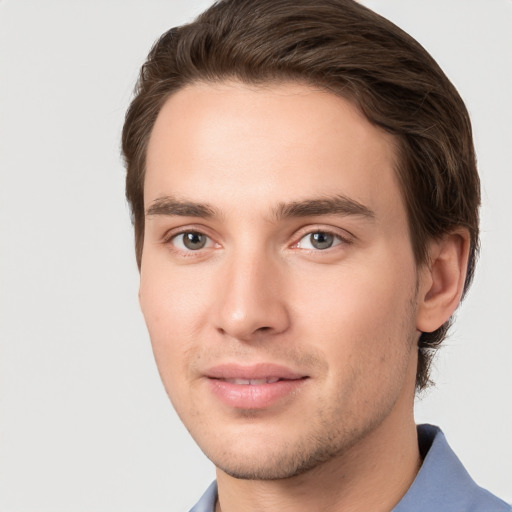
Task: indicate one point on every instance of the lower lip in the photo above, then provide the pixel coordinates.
(258, 396)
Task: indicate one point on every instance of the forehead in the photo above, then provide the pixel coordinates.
(267, 144)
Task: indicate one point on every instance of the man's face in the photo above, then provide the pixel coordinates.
(278, 281)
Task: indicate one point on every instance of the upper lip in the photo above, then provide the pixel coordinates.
(252, 372)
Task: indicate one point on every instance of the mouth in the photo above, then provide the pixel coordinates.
(261, 373)
(254, 387)
(253, 382)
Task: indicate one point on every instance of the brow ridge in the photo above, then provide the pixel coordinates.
(338, 205)
(167, 205)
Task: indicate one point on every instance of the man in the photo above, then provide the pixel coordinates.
(305, 201)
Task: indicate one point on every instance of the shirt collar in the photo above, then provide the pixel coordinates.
(442, 484)
(208, 500)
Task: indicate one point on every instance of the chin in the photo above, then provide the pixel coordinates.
(273, 461)
(265, 469)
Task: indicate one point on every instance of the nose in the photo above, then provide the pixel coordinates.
(251, 303)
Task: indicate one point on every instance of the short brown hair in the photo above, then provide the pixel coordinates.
(343, 47)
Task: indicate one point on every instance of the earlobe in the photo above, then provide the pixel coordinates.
(442, 280)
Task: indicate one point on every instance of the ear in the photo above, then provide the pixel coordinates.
(442, 280)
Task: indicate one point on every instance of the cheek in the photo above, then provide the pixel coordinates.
(170, 298)
(363, 328)
(173, 307)
(354, 295)
(359, 313)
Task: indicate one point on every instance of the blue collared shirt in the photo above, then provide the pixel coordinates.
(441, 485)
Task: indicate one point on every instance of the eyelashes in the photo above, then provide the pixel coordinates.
(191, 241)
(311, 240)
(320, 241)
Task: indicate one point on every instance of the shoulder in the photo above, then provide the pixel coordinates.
(443, 484)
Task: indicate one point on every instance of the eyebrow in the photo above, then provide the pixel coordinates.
(170, 206)
(336, 205)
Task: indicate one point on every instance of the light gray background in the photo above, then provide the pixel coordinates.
(84, 422)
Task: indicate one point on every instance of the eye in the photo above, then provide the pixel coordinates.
(319, 240)
(190, 241)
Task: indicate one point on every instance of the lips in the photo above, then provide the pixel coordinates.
(254, 387)
(252, 382)
(260, 371)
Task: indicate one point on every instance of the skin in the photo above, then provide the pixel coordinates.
(224, 164)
